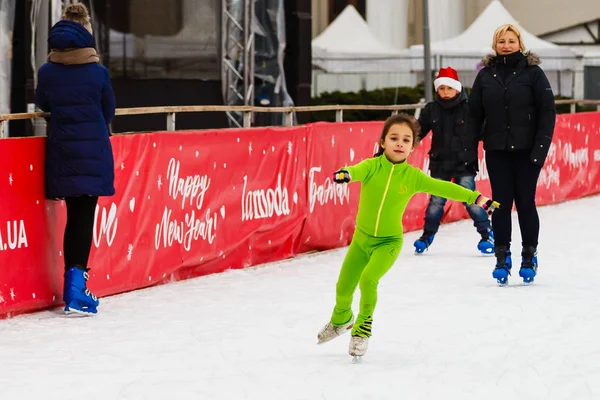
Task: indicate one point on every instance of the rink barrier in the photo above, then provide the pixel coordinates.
(248, 111)
(191, 203)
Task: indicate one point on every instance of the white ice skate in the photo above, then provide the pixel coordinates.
(358, 347)
(330, 332)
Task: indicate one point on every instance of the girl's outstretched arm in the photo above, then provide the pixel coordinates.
(452, 191)
(355, 173)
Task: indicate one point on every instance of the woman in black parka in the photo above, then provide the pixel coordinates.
(512, 108)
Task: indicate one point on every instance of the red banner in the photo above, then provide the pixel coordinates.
(194, 203)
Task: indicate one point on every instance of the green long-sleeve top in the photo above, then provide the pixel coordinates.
(386, 189)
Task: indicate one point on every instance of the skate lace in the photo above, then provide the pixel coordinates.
(87, 292)
(358, 341)
(329, 330)
(92, 295)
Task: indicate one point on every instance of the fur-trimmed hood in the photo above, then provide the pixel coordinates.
(532, 59)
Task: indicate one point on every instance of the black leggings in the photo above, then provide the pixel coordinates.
(79, 230)
(513, 178)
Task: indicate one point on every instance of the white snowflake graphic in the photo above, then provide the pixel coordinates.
(159, 182)
(122, 166)
(290, 148)
(250, 148)
(12, 294)
(1, 299)
(10, 179)
(129, 252)
(332, 141)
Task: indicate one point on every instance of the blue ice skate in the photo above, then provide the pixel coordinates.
(529, 264)
(423, 243)
(77, 297)
(503, 265)
(486, 244)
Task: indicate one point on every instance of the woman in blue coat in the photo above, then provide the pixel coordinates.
(79, 165)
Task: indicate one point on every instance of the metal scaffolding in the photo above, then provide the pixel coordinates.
(237, 56)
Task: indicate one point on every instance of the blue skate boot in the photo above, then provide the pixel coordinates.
(77, 297)
(529, 264)
(423, 243)
(486, 244)
(503, 265)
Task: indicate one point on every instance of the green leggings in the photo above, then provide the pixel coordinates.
(367, 261)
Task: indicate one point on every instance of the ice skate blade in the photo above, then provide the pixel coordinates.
(78, 313)
(356, 359)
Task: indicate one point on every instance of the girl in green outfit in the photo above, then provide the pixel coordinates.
(388, 183)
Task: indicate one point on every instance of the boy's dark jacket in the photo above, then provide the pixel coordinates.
(453, 149)
(513, 102)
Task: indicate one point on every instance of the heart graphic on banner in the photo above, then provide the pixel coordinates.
(351, 154)
(222, 211)
(132, 204)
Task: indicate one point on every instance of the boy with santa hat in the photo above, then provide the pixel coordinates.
(453, 157)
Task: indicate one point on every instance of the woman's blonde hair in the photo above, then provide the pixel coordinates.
(508, 28)
(77, 13)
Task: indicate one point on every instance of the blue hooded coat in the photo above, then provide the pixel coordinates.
(79, 96)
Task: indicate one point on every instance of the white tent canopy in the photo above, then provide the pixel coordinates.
(476, 41)
(348, 45)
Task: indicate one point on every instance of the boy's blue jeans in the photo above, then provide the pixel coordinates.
(435, 209)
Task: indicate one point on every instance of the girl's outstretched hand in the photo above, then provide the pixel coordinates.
(487, 204)
(341, 176)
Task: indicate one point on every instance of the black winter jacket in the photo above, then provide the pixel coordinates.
(512, 105)
(453, 149)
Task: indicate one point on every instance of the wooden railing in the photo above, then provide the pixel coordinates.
(247, 111)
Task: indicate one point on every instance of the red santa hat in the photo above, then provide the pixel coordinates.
(449, 77)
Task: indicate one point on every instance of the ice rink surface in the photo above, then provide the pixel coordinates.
(442, 329)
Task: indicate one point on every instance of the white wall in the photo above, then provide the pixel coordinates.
(446, 18)
(387, 19)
